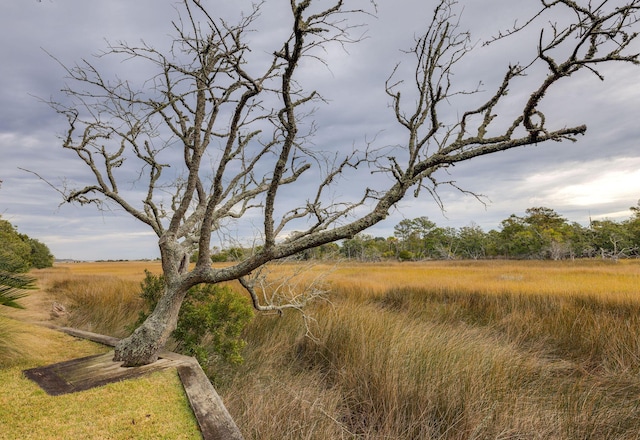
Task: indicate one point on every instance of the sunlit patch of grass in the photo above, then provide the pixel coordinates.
(39, 346)
(151, 407)
(122, 269)
(11, 349)
(614, 280)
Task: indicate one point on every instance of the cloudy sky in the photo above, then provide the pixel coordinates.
(597, 177)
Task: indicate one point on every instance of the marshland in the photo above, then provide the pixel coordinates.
(430, 350)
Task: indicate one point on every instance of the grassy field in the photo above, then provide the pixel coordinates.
(152, 407)
(436, 350)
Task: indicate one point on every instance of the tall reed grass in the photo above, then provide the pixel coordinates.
(453, 351)
(102, 304)
(462, 350)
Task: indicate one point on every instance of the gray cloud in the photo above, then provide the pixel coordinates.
(597, 176)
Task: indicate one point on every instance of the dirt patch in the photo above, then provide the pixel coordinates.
(37, 308)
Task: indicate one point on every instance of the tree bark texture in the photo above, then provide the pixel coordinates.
(144, 344)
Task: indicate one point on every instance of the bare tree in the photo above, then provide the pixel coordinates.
(242, 126)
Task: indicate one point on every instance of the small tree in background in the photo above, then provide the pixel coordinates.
(15, 252)
(19, 253)
(41, 257)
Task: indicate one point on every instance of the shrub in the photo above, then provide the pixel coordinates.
(14, 251)
(405, 256)
(19, 253)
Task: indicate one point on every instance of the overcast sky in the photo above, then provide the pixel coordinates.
(597, 177)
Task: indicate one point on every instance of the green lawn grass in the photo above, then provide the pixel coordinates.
(152, 407)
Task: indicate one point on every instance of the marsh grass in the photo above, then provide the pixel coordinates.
(98, 303)
(455, 350)
(595, 333)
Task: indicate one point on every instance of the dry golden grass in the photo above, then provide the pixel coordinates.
(615, 281)
(437, 350)
(98, 303)
(122, 269)
(101, 297)
(593, 277)
(456, 350)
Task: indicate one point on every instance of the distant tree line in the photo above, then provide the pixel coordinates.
(541, 234)
(19, 253)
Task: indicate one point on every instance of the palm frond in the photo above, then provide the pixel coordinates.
(13, 287)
